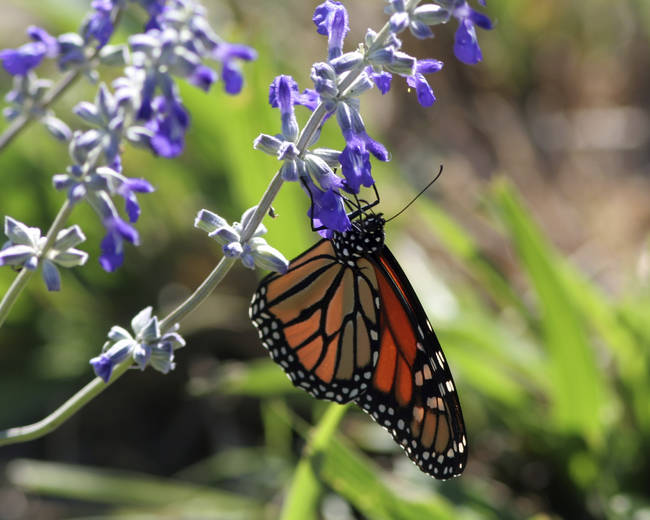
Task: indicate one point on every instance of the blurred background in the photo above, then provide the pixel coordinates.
(531, 256)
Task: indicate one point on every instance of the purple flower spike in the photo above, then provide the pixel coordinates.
(331, 19)
(112, 245)
(466, 46)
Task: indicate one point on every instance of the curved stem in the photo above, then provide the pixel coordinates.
(200, 294)
(64, 412)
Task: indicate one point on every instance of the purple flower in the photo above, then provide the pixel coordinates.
(419, 83)
(282, 94)
(327, 209)
(331, 19)
(381, 79)
(155, 8)
(112, 246)
(40, 35)
(169, 125)
(309, 98)
(355, 160)
(20, 61)
(228, 54)
(104, 364)
(203, 77)
(466, 46)
(128, 190)
(99, 25)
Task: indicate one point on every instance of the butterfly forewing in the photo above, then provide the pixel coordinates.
(320, 322)
(412, 392)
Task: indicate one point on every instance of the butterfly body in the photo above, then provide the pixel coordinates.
(345, 325)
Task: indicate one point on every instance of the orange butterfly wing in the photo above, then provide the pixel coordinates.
(412, 393)
(320, 322)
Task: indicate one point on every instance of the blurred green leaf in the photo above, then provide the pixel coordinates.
(579, 392)
(258, 378)
(303, 497)
(465, 248)
(126, 488)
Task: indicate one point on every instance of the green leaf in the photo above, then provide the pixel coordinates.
(462, 245)
(126, 488)
(302, 502)
(258, 378)
(579, 392)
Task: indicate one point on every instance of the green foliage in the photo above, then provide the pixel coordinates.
(553, 372)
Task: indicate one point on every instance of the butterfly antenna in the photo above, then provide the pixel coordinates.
(417, 196)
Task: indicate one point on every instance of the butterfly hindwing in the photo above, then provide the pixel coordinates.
(319, 321)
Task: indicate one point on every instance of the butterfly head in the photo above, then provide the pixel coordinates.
(365, 237)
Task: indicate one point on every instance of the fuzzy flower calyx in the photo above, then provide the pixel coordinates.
(146, 346)
(253, 252)
(25, 249)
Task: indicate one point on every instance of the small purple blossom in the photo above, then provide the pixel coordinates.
(104, 364)
(147, 345)
(331, 19)
(282, 94)
(127, 190)
(99, 25)
(253, 252)
(327, 210)
(203, 77)
(424, 92)
(355, 159)
(20, 61)
(228, 54)
(112, 246)
(155, 8)
(25, 249)
(466, 46)
(168, 125)
(381, 79)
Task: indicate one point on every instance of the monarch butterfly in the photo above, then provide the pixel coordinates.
(346, 325)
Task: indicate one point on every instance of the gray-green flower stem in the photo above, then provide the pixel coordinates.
(64, 412)
(96, 386)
